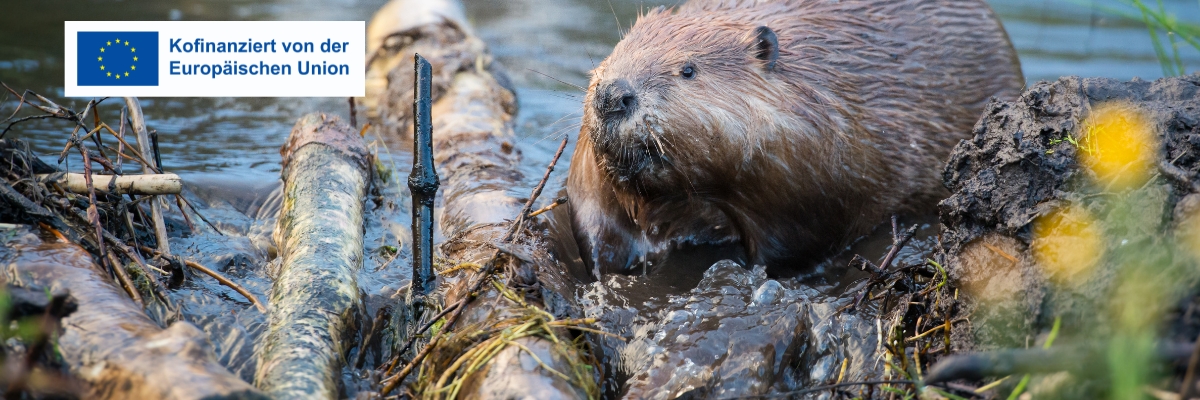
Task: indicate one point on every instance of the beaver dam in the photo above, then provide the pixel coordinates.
(419, 242)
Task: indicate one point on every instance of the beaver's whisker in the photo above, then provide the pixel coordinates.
(661, 149)
(563, 95)
(564, 118)
(558, 133)
(614, 11)
(590, 58)
(581, 88)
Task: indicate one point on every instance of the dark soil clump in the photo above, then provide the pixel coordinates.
(1032, 165)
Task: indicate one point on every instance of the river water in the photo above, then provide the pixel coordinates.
(228, 148)
(547, 45)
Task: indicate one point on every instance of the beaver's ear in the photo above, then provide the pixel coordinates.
(766, 46)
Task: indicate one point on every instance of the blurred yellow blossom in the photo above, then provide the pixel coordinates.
(1119, 145)
(1067, 244)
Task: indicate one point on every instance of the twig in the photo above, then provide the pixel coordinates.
(926, 333)
(560, 201)
(399, 377)
(1001, 253)
(372, 336)
(126, 282)
(120, 134)
(537, 191)
(423, 329)
(898, 241)
(198, 214)
(154, 146)
(215, 275)
(182, 211)
(93, 217)
(129, 253)
(423, 186)
(27, 118)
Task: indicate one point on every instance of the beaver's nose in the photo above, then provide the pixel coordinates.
(616, 99)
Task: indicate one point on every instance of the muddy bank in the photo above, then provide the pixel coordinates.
(1075, 207)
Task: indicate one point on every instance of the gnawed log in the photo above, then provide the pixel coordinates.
(111, 344)
(504, 343)
(153, 184)
(320, 239)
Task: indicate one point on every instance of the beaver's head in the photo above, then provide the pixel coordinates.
(682, 100)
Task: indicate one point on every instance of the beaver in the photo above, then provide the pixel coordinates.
(784, 128)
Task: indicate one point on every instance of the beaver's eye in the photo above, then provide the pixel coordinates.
(688, 72)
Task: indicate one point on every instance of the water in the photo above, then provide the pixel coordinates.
(229, 147)
(535, 39)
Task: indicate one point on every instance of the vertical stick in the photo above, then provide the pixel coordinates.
(138, 123)
(423, 184)
(157, 155)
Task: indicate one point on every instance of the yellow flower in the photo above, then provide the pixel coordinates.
(1119, 145)
(1067, 243)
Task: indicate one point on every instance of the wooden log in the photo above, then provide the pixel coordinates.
(111, 344)
(156, 184)
(478, 163)
(320, 239)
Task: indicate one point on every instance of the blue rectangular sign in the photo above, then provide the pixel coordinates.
(117, 59)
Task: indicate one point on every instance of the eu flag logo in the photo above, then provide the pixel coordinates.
(117, 59)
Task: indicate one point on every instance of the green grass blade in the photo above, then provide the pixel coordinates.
(1167, 67)
(1179, 69)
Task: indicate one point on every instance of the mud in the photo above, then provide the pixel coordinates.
(1025, 162)
(736, 333)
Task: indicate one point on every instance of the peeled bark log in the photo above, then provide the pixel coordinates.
(320, 239)
(112, 345)
(153, 184)
(475, 156)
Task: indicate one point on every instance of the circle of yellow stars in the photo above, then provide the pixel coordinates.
(104, 49)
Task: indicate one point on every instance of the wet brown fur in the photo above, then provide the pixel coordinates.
(852, 124)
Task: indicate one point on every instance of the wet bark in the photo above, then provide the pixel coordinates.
(111, 344)
(320, 239)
